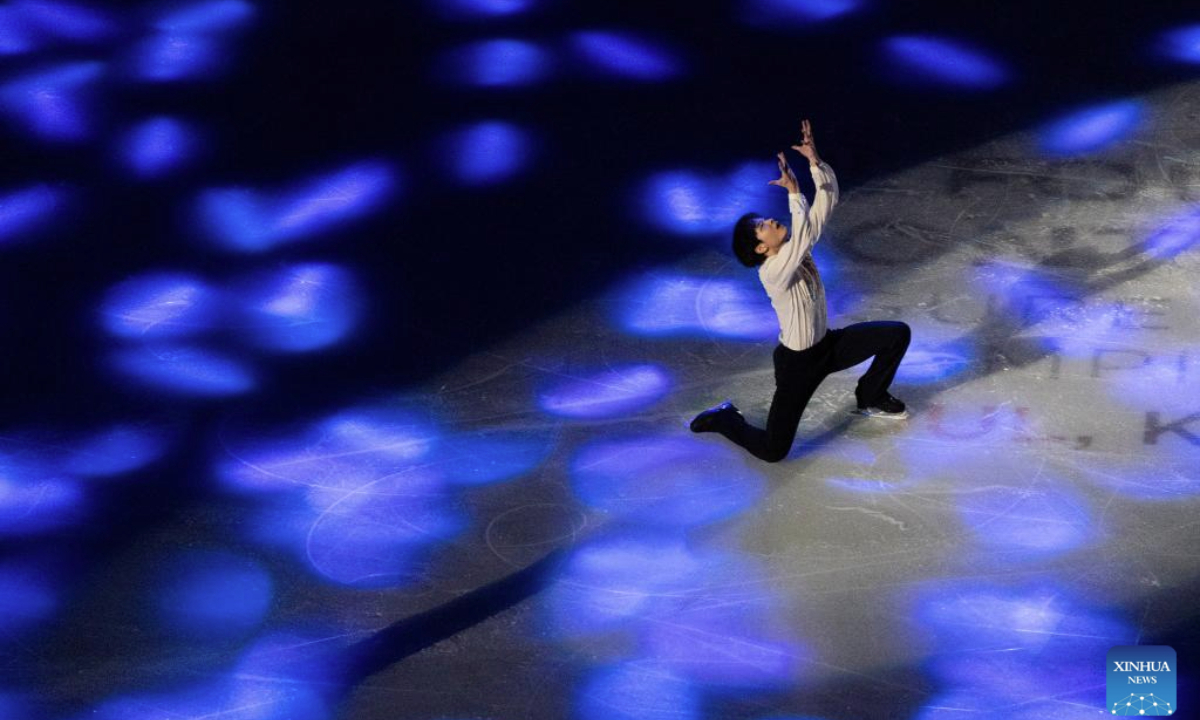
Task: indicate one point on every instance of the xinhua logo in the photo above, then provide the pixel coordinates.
(1141, 680)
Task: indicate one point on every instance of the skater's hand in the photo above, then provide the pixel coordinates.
(807, 147)
(787, 178)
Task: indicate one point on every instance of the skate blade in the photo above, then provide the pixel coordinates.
(880, 414)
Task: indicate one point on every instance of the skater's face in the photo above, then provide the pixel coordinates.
(771, 235)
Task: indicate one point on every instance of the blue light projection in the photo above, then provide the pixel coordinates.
(66, 21)
(610, 393)
(1159, 383)
(665, 481)
(1182, 44)
(27, 597)
(1175, 236)
(677, 305)
(211, 594)
(1002, 639)
(239, 695)
(172, 58)
(14, 706)
(484, 458)
(366, 504)
(703, 617)
(191, 41)
(637, 691)
(35, 497)
(378, 532)
(502, 63)
(1032, 521)
(613, 583)
(1031, 295)
(280, 676)
(24, 212)
(726, 642)
(16, 34)
(939, 61)
(161, 305)
(115, 450)
(205, 16)
(935, 355)
(795, 13)
(480, 9)
(625, 55)
(158, 147)
(690, 202)
(972, 439)
(299, 308)
(1088, 327)
(249, 220)
(185, 370)
(1091, 130)
(488, 152)
(53, 104)
(376, 439)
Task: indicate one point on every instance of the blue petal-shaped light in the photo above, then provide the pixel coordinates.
(1092, 129)
(942, 61)
(27, 597)
(159, 146)
(475, 458)
(488, 153)
(185, 370)
(615, 391)
(212, 595)
(65, 20)
(691, 202)
(255, 220)
(664, 481)
(161, 305)
(1031, 295)
(115, 451)
(614, 582)
(367, 506)
(237, 695)
(15, 706)
(497, 63)
(373, 442)
(34, 499)
(1032, 522)
(300, 308)
(174, 57)
(796, 13)
(673, 305)
(52, 104)
(26, 211)
(1177, 235)
(625, 55)
(637, 691)
(1182, 44)
(480, 9)
(17, 34)
(205, 16)
(377, 531)
(930, 362)
(280, 677)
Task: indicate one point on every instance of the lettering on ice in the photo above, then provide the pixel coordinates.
(1143, 666)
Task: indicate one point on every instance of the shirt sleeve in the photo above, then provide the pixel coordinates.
(807, 224)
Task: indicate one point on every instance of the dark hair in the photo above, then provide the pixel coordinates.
(745, 240)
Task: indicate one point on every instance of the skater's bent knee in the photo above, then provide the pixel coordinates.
(774, 456)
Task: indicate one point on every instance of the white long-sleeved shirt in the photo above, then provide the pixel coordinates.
(790, 276)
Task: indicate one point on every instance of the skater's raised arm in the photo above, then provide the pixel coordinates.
(824, 179)
(781, 271)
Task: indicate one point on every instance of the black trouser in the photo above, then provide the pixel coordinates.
(798, 373)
